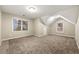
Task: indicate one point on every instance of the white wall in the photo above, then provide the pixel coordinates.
(39, 28)
(0, 27)
(77, 32)
(7, 32)
(69, 29)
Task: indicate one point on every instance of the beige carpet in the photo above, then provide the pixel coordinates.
(50, 44)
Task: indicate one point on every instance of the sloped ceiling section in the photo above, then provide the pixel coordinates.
(49, 20)
(70, 14)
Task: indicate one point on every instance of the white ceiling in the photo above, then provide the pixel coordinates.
(42, 10)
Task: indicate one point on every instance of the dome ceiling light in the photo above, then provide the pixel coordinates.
(31, 8)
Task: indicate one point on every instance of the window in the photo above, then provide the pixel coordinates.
(19, 25)
(60, 27)
(24, 25)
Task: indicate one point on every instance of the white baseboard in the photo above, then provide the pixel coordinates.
(14, 38)
(62, 35)
(39, 35)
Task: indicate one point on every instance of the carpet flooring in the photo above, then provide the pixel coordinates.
(50, 44)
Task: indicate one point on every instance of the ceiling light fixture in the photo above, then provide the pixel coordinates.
(31, 8)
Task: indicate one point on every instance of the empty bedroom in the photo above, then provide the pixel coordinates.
(39, 29)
